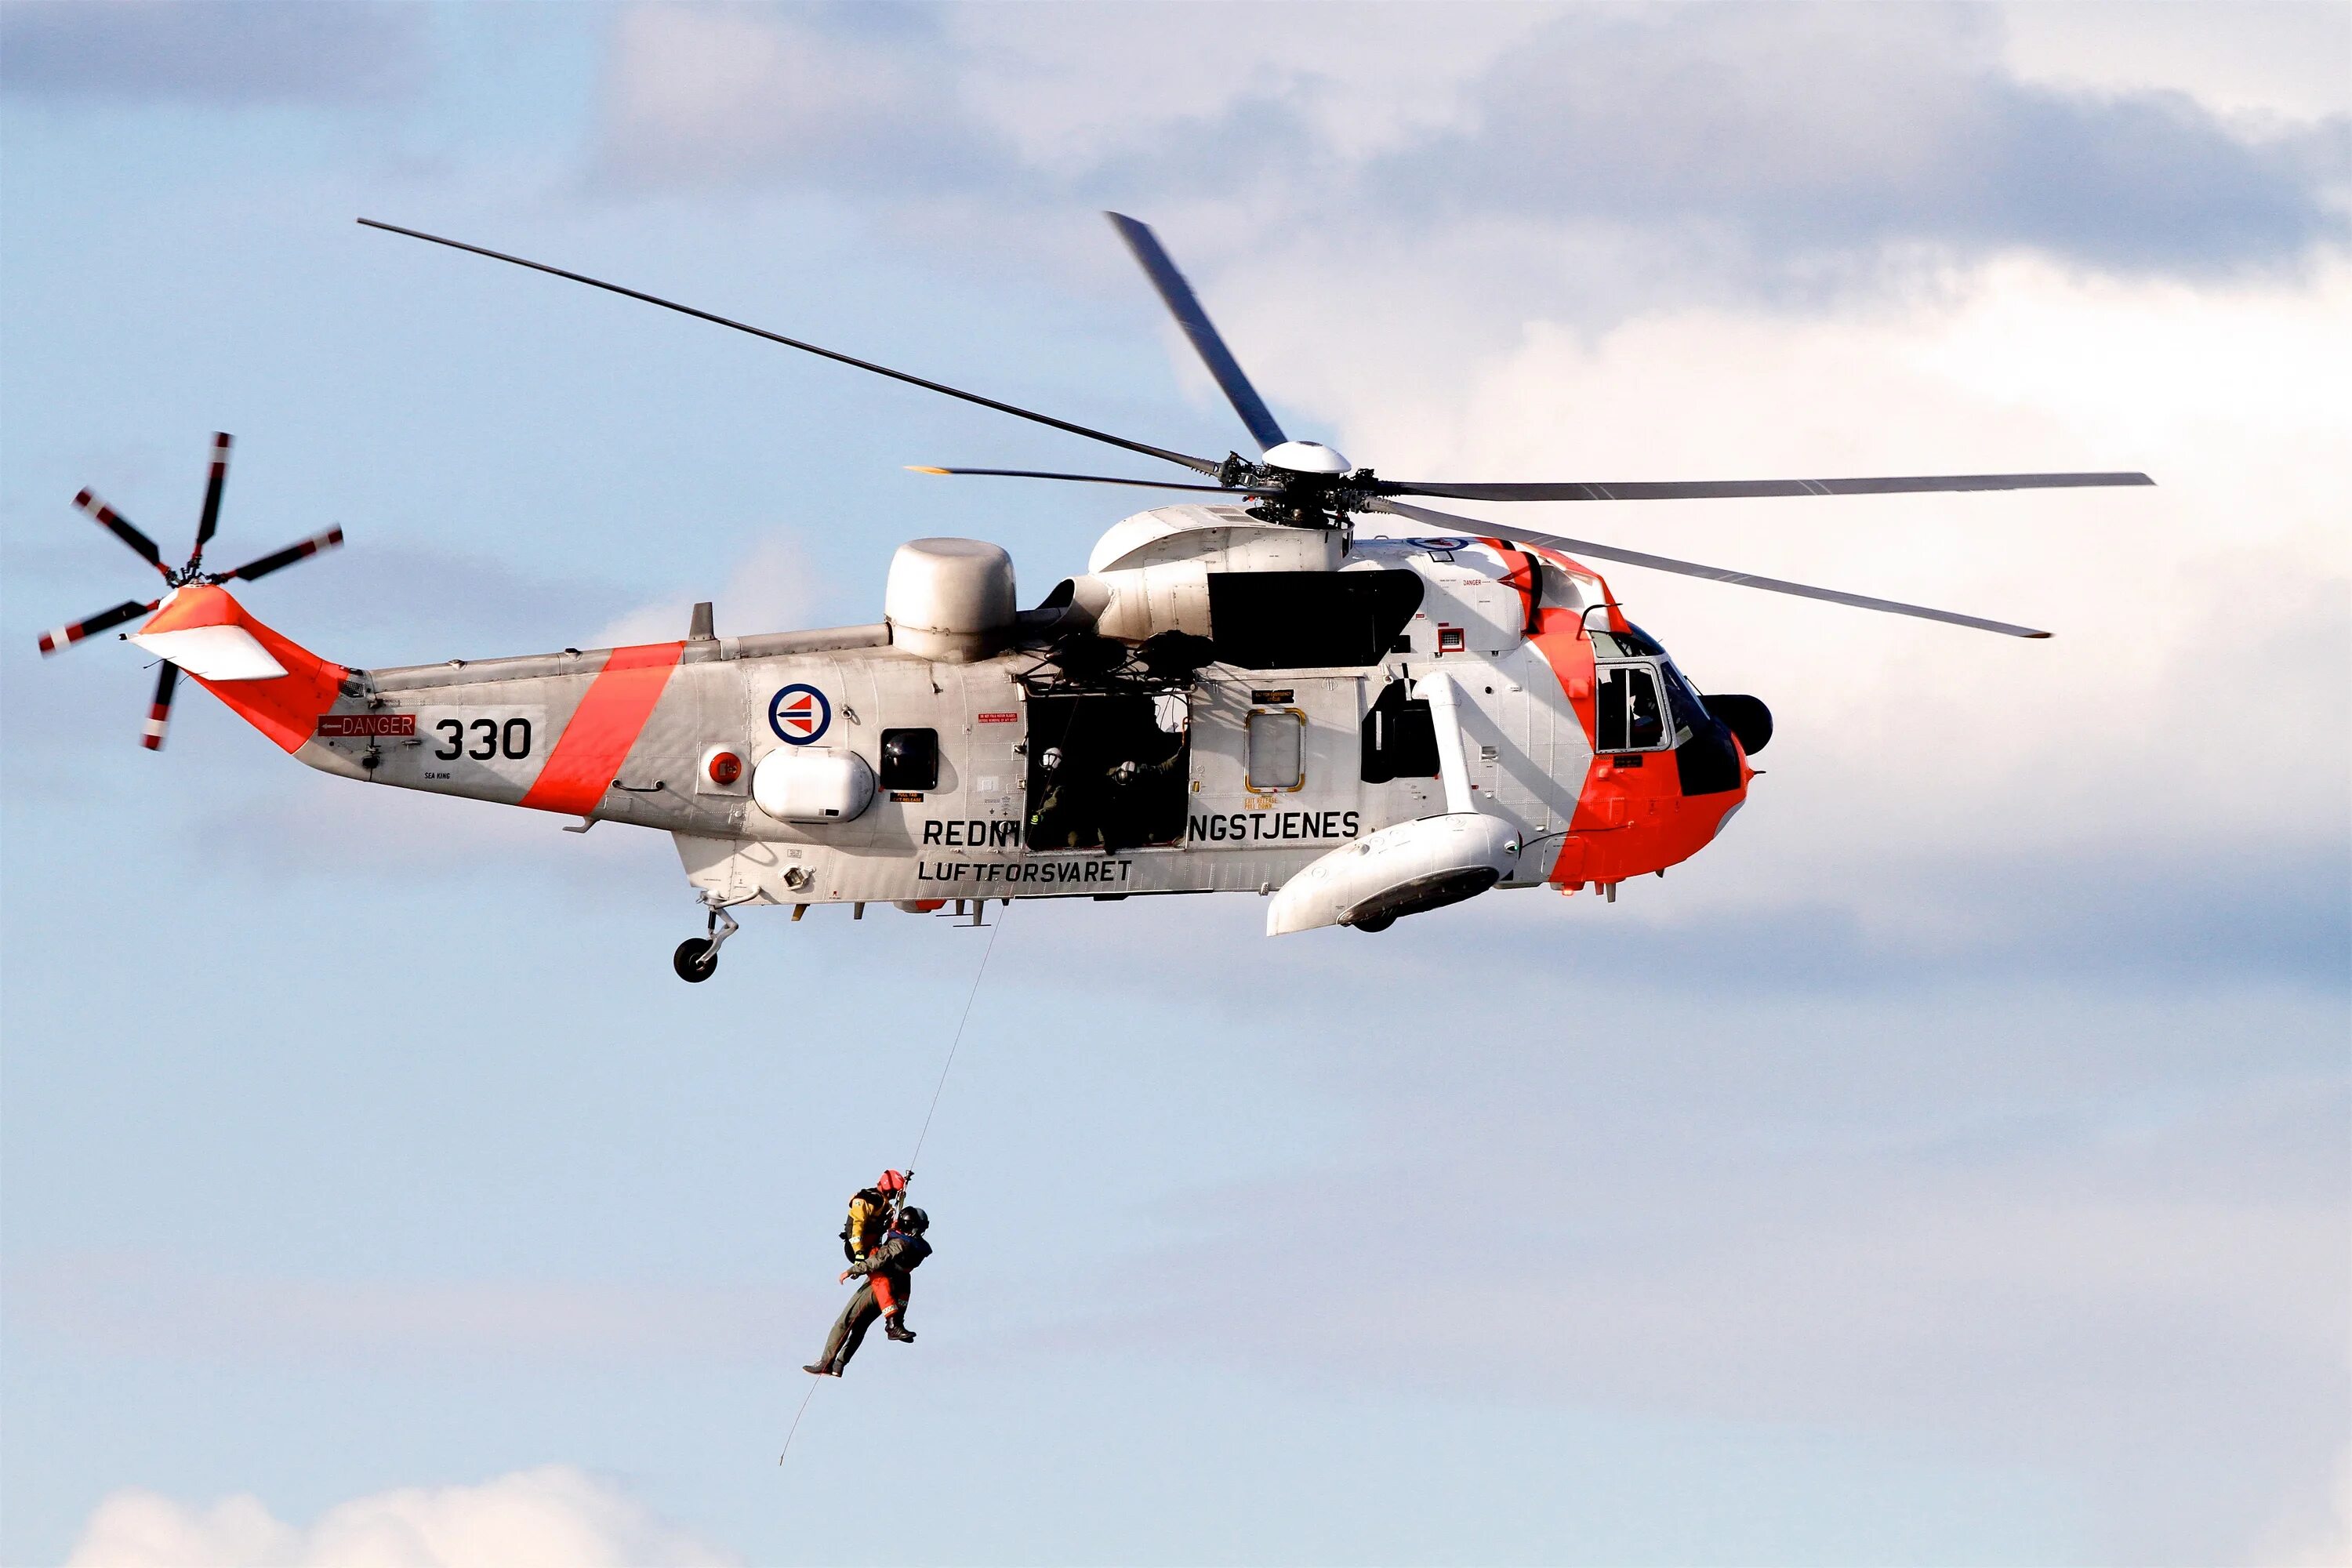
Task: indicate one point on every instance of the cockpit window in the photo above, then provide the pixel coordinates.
(1629, 716)
(1631, 643)
(1645, 719)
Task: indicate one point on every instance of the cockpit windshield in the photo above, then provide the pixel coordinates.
(1689, 709)
(1631, 643)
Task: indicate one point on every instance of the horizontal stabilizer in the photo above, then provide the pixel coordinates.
(213, 652)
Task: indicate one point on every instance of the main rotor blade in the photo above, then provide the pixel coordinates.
(115, 524)
(1199, 464)
(1185, 306)
(72, 632)
(159, 715)
(1732, 490)
(253, 570)
(1095, 479)
(212, 482)
(1692, 569)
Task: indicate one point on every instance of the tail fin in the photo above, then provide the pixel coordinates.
(274, 684)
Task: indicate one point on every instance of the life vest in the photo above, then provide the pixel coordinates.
(869, 1220)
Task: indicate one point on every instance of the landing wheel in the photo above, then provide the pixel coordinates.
(696, 960)
(1376, 922)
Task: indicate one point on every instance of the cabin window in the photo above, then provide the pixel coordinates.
(1277, 749)
(1309, 620)
(1628, 715)
(910, 760)
(1400, 737)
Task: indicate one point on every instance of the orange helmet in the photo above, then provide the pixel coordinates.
(891, 1182)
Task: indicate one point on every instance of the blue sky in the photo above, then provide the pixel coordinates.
(1950, 1165)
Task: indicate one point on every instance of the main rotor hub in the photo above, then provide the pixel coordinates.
(1307, 457)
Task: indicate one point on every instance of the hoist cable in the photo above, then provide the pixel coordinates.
(971, 996)
(794, 1429)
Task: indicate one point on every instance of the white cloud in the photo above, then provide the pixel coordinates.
(553, 1515)
(703, 93)
(357, 52)
(770, 590)
(2268, 57)
(2317, 1531)
(1073, 86)
(1771, 143)
(2190, 618)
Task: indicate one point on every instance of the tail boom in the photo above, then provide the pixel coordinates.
(270, 681)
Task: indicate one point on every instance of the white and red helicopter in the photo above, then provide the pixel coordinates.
(1303, 685)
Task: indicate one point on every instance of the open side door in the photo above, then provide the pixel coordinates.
(1414, 865)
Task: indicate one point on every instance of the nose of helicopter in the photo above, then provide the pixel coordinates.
(1746, 718)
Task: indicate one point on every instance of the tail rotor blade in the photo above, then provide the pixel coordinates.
(72, 632)
(252, 571)
(115, 524)
(213, 483)
(159, 717)
(1693, 569)
(1185, 306)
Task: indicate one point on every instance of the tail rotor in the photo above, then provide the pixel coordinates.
(207, 523)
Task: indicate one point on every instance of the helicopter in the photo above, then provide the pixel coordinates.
(1302, 685)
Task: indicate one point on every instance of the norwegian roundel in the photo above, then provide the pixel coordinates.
(799, 715)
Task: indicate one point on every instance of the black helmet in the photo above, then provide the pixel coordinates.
(912, 1222)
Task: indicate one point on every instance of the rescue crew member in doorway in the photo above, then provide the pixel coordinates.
(870, 1209)
(1056, 824)
(886, 1269)
(1128, 800)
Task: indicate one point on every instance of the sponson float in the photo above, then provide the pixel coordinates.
(1303, 687)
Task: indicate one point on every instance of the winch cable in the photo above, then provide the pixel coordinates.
(794, 1430)
(937, 1089)
(970, 998)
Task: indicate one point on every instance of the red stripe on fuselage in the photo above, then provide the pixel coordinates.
(589, 752)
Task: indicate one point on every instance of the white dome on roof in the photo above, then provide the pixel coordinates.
(1307, 457)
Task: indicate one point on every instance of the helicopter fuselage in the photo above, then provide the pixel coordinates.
(1291, 732)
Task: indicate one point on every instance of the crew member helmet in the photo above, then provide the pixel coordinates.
(891, 1182)
(913, 1221)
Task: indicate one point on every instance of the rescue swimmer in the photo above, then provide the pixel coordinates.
(884, 1274)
